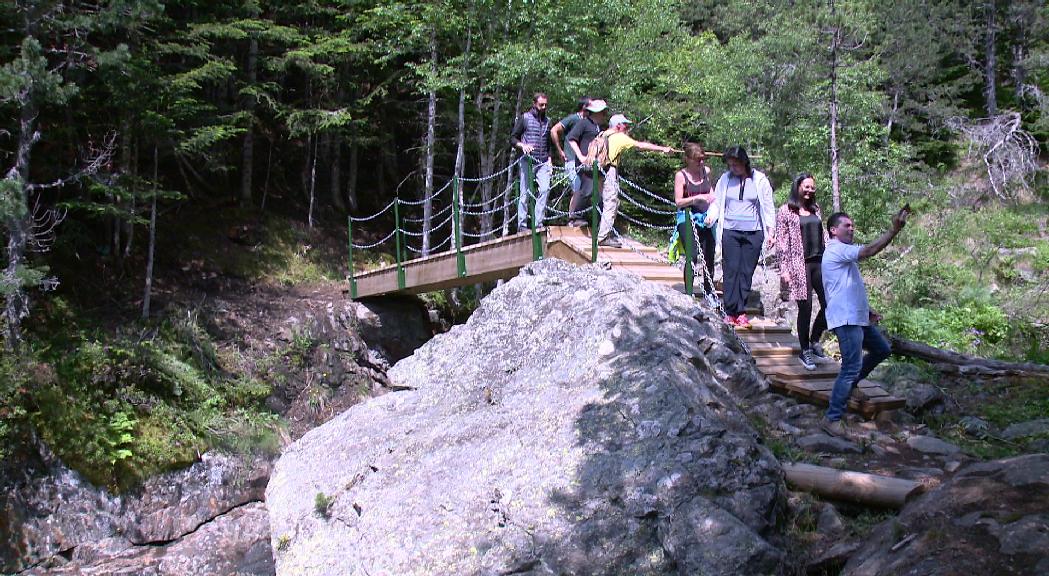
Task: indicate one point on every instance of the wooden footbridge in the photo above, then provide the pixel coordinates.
(774, 348)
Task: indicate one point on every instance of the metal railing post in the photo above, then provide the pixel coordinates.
(690, 253)
(397, 235)
(595, 220)
(349, 235)
(457, 231)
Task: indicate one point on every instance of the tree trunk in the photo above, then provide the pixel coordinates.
(850, 486)
(336, 172)
(835, 46)
(266, 182)
(351, 176)
(488, 157)
(892, 113)
(147, 294)
(247, 152)
(16, 304)
(313, 183)
(990, 59)
(510, 174)
(963, 363)
(431, 120)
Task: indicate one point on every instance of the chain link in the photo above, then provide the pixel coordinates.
(376, 215)
(646, 192)
(433, 249)
(432, 216)
(428, 198)
(646, 208)
(508, 168)
(368, 246)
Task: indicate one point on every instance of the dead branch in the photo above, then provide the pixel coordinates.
(963, 363)
(1009, 153)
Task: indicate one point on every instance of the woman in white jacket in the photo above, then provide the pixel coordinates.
(746, 217)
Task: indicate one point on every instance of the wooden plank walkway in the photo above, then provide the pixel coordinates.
(776, 350)
(773, 347)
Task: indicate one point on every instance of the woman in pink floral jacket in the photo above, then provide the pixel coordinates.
(800, 239)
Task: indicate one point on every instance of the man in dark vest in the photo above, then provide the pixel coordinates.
(531, 135)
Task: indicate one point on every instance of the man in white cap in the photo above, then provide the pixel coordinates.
(619, 141)
(579, 138)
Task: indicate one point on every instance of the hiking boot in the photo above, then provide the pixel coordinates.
(817, 352)
(835, 428)
(807, 360)
(742, 321)
(610, 243)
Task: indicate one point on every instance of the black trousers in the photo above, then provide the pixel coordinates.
(739, 257)
(814, 273)
(579, 205)
(706, 248)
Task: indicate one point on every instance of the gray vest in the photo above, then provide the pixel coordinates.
(537, 134)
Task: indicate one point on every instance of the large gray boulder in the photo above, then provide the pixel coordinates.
(990, 518)
(581, 422)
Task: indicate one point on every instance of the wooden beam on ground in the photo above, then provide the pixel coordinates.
(859, 487)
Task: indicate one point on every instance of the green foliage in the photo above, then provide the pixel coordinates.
(322, 504)
(124, 407)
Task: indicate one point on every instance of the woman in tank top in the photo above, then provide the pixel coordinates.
(800, 239)
(693, 194)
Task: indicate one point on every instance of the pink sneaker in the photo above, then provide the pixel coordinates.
(742, 321)
(730, 320)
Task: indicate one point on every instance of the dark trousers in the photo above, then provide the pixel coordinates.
(706, 248)
(579, 205)
(739, 257)
(815, 276)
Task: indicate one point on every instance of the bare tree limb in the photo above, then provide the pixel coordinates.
(963, 363)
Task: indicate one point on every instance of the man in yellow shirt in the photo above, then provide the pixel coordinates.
(618, 142)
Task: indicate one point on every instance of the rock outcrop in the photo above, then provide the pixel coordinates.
(990, 518)
(54, 518)
(582, 421)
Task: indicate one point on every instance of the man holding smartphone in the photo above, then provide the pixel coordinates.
(848, 311)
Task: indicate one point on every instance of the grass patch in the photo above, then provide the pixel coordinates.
(999, 404)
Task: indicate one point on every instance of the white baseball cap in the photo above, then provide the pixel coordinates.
(596, 105)
(618, 119)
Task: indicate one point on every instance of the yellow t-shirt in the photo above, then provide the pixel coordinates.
(618, 143)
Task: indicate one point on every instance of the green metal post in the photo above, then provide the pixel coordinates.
(690, 253)
(537, 245)
(353, 279)
(397, 236)
(595, 220)
(457, 231)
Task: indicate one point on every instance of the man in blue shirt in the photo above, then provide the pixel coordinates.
(848, 312)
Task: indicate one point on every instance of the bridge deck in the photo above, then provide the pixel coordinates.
(773, 347)
(504, 257)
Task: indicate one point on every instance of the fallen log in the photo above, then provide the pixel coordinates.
(963, 363)
(851, 486)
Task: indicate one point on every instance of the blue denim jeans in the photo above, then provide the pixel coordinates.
(542, 193)
(573, 176)
(855, 365)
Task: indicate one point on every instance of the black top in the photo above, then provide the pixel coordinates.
(812, 237)
(583, 133)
